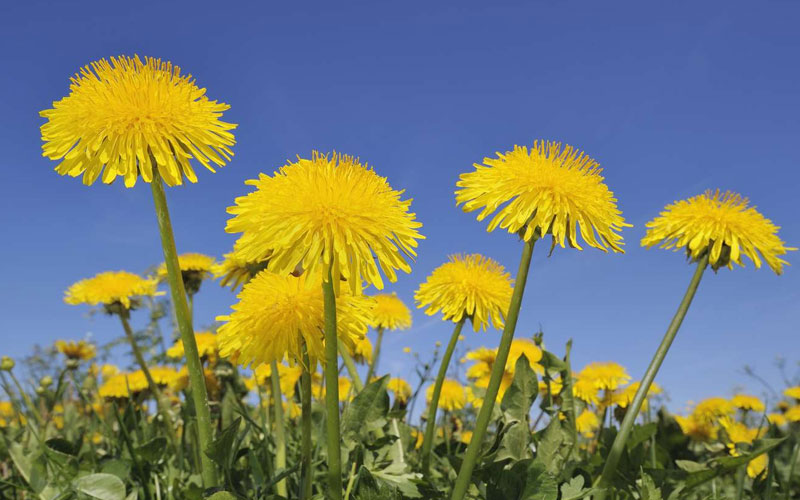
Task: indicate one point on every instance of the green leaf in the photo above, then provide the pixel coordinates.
(368, 409)
(396, 475)
(548, 451)
(23, 462)
(118, 467)
(153, 450)
(221, 448)
(648, 489)
(641, 433)
(573, 489)
(101, 486)
(539, 484)
(552, 362)
(690, 466)
(223, 495)
(759, 448)
(519, 397)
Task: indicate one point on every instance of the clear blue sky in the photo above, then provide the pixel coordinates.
(670, 99)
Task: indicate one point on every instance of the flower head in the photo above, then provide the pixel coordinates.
(80, 350)
(587, 423)
(748, 402)
(792, 392)
(452, 397)
(624, 397)
(480, 372)
(123, 385)
(363, 350)
(329, 213)
(548, 189)
(276, 314)
(234, 271)
(467, 285)
(722, 225)
(390, 313)
(605, 376)
(110, 288)
(400, 388)
(195, 267)
(128, 117)
(206, 346)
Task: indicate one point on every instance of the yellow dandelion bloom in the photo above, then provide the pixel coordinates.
(123, 385)
(604, 376)
(363, 351)
(721, 224)
(107, 371)
(399, 388)
(276, 314)
(480, 372)
(390, 313)
(234, 271)
(793, 414)
(127, 117)
(465, 436)
(111, 287)
(737, 432)
(548, 189)
(624, 397)
(327, 213)
(452, 397)
(407, 350)
(757, 466)
(206, 346)
(712, 410)
(7, 413)
(792, 392)
(696, 429)
(777, 419)
(587, 423)
(287, 375)
(80, 350)
(180, 381)
(475, 400)
(194, 266)
(555, 387)
(470, 286)
(748, 402)
(164, 375)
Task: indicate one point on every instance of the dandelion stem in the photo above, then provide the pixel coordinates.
(374, 362)
(433, 406)
(305, 423)
(351, 369)
(485, 413)
(790, 472)
(614, 455)
(332, 391)
(280, 430)
(183, 318)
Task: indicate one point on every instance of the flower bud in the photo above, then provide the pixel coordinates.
(46, 381)
(6, 364)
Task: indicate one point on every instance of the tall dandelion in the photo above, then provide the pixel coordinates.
(470, 287)
(548, 189)
(714, 229)
(334, 217)
(129, 118)
(390, 313)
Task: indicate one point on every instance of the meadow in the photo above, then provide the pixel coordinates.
(287, 398)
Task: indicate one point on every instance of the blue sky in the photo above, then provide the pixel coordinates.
(671, 99)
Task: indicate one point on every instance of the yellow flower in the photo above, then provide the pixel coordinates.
(195, 267)
(363, 351)
(473, 399)
(757, 465)
(466, 436)
(624, 397)
(597, 377)
(555, 387)
(696, 429)
(7, 413)
(390, 313)
(107, 371)
(748, 402)
(318, 389)
(327, 213)
(407, 350)
(206, 346)
(712, 410)
(123, 385)
(792, 392)
(548, 189)
(484, 358)
(468, 285)
(110, 288)
(287, 375)
(80, 350)
(585, 389)
(587, 423)
(721, 224)
(234, 271)
(276, 314)
(777, 419)
(128, 116)
(400, 388)
(793, 414)
(452, 397)
(737, 433)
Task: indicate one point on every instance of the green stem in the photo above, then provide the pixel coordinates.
(183, 317)
(614, 455)
(332, 391)
(351, 369)
(305, 424)
(373, 365)
(433, 406)
(790, 472)
(485, 414)
(280, 430)
(741, 472)
(31, 407)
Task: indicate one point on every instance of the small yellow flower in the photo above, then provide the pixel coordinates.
(327, 213)
(468, 285)
(400, 388)
(390, 313)
(604, 376)
(777, 419)
(127, 117)
(587, 423)
(480, 372)
(452, 397)
(363, 351)
(748, 402)
(287, 375)
(206, 346)
(123, 385)
(793, 414)
(80, 350)
(792, 392)
(624, 397)
(713, 410)
(722, 225)
(107, 371)
(110, 288)
(548, 189)
(757, 465)
(696, 429)
(466, 436)
(198, 263)
(234, 271)
(407, 350)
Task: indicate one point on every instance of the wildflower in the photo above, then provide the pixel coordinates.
(206, 346)
(276, 314)
(127, 117)
(195, 267)
(80, 350)
(110, 289)
(777, 419)
(587, 423)
(107, 371)
(696, 429)
(234, 271)
(465, 436)
(470, 286)
(484, 358)
(548, 189)
(123, 385)
(758, 465)
(390, 313)
(623, 398)
(329, 213)
(407, 350)
(400, 388)
(792, 392)
(793, 414)
(6, 364)
(605, 376)
(453, 396)
(747, 402)
(363, 351)
(712, 410)
(721, 225)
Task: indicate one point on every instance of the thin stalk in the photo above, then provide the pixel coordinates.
(741, 472)
(373, 365)
(485, 414)
(305, 424)
(790, 472)
(183, 317)
(614, 455)
(351, 369)
(280, 430)
(31, 407)
(433, 406)
(332, 391)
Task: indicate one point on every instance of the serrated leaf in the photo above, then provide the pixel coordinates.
(221, 449)
(640, 434)
(549, 447)
(648, 489)
(222, 495)
(396, 476)
(368, 409)
(101, 486)
(153, 450)
(519, 397)
(539, 484)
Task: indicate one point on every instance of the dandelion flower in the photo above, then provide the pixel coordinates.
(549, 189)
(793, 414)
(748, 402)
(234, 271)
(276, 314)
(110, 288)
(400, 388)
(605, 376)
(452, 397)
(80, 350)
(712, 410)
(623, 398)
(484, 358)
(792, 392)
(407, 350)
(777, 419)
(127, 116)
(587, 423)
(722, 225)
(758, 465)
(195, 267)
(390, 313)
(329, 213)
(206, 346)
(123, 385)
(470, 286)
(696, 429)
(363, 351)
